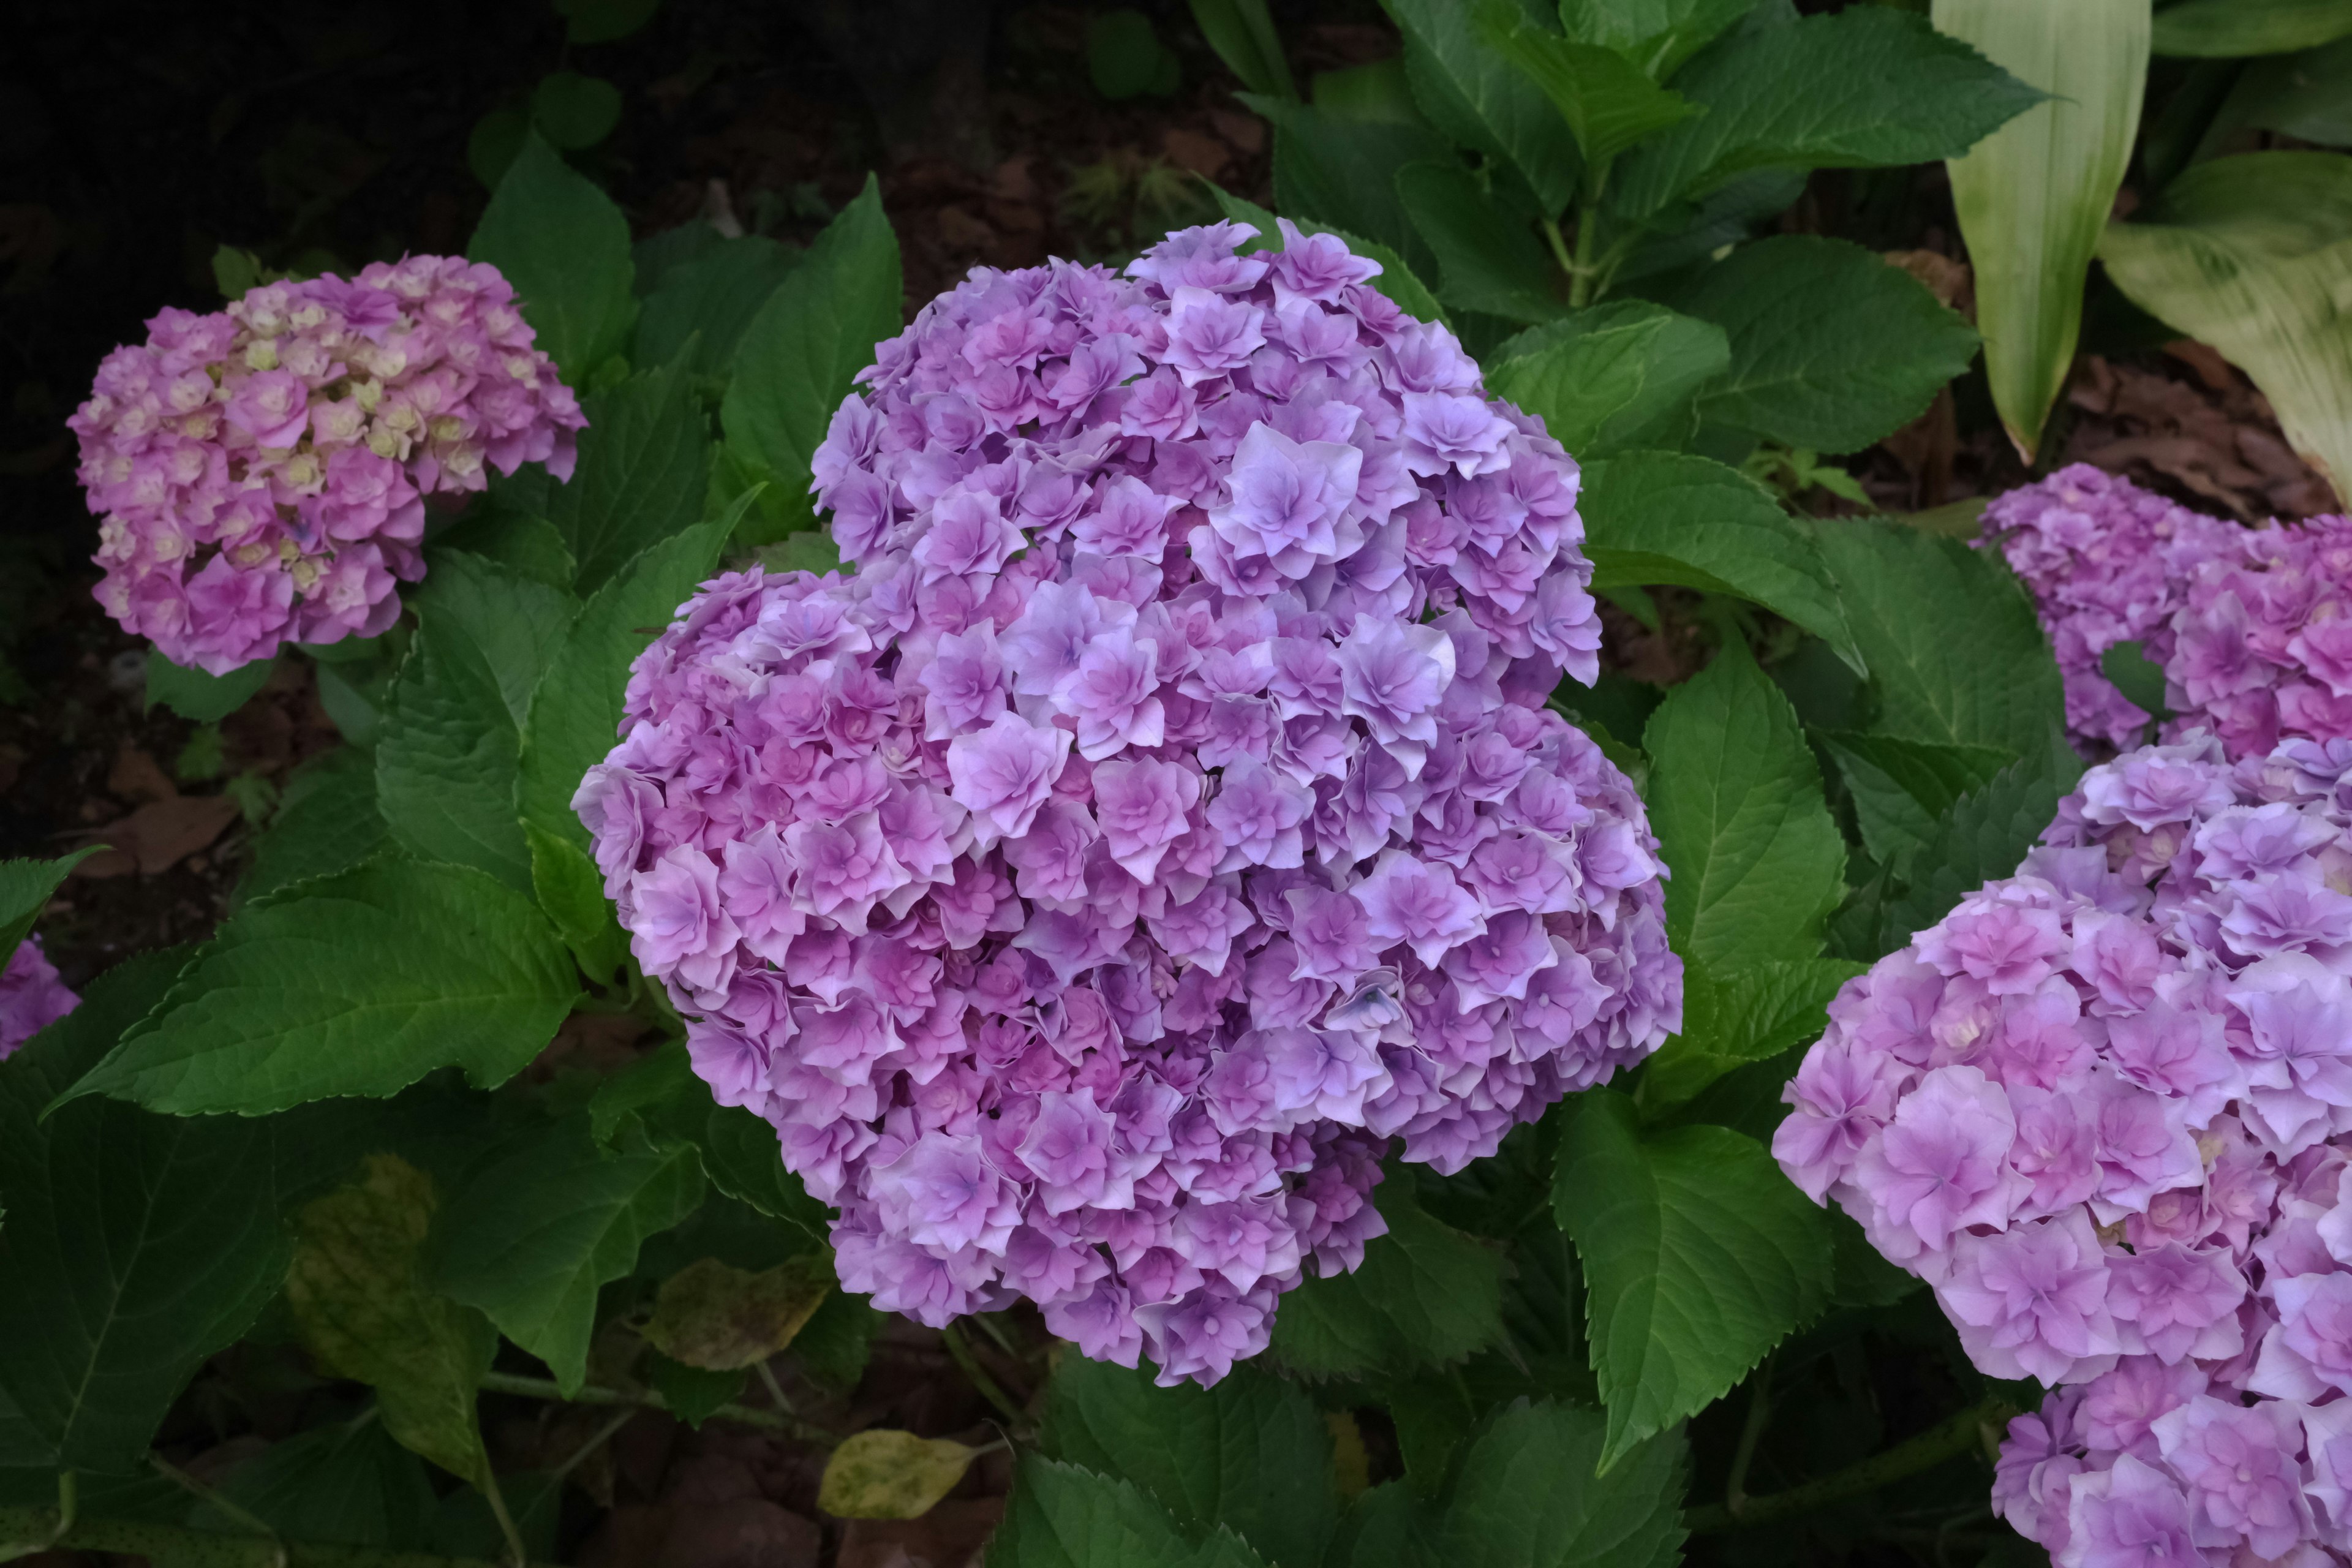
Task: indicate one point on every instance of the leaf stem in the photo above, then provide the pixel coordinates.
(203, 1493)
(1956, 1434)
(1759, 1416)
(195, 1548)
(743, 1415)
(953, 1336)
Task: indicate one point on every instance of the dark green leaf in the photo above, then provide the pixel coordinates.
(1251, 1454)
(565, 248)
(1529, 1497)
(1342, 173)
(1831, 346)
(1862, 88)
(1745, 1015)
(1389, 1526)
(327, 822)
(358, 984)
(2229, 28)
(794, 365)
(691, 1392)
(1985, 835)
(135, 1245)
(1425, 1294)
(709, 302)
(1608, 99)
(644, 463)
(602, 21)
(1900, 787)
(1699, 1258)
(570, 890)
(447, 761)
(1663, 518)
(466, 1526)
(1064, 1516)
(192, 694)
(2141, 680)
(1736, 800)
(1489, 259)
(1612, 376)
(1242, 32)
(1479, 99)
(350, 1482)
(1124, 56)
(741, 1153)
(538, 1231)
(573, 111)
(1956, 653)
(1687, 232)
(1656, 34)
(24, 887)
(576, 713)
(1396, 280)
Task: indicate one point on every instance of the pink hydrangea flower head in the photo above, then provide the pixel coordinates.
(2105, 1109)
(261, 472)
(1152, 828)
(2251, 628)
(32, 997)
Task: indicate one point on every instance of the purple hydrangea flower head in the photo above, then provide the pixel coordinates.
(2105, 1109)
(261, 472)
(1158, 821)
(32, 997)
(2251, 628)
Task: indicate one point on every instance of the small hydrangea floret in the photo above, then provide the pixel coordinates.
(32, 997)
(2251, 626)
(260, 471)
(1163, 817)
(2104, 1110)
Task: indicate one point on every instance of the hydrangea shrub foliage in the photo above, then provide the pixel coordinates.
(1097, 822)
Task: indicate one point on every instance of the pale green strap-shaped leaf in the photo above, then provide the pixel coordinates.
(2034, 196)
(1242, 32)
(2254, 256)
(2232, 28)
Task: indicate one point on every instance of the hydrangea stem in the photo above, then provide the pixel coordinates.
(743, 1415)
(1949, 1439)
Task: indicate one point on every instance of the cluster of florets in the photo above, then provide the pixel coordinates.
(261, 470)
(2104, 1108)
(32, 997)
(1165, 815)
(2251, 628)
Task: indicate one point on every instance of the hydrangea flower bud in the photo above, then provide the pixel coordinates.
(1164, 818)
(32, 997)
(2251, 626)
(2105, 1109)
(260, 471)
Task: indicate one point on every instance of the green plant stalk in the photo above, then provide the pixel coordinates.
(194, 1548)
(952, 1336)
(1956, 1434)
(743, 1415)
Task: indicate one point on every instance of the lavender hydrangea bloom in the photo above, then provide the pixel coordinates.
(1164, 818)
(2102, 1107)
(260, 471)
(2250, 625)
(32, 997)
